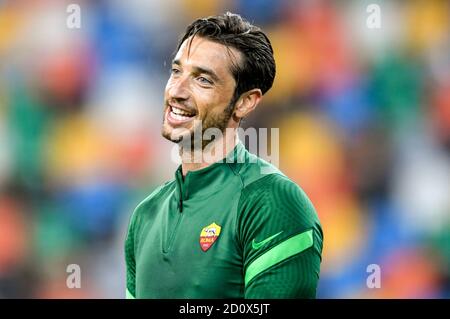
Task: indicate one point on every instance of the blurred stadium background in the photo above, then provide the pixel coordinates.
(364, 119)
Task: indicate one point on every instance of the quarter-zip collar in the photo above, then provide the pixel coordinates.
(210, 179)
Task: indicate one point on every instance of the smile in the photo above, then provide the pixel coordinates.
(176, 116)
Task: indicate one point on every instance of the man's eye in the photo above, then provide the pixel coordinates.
(175, 71)
(204, 80)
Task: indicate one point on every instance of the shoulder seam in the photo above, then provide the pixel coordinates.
(154, 193)
(259, 179)
(238, 211)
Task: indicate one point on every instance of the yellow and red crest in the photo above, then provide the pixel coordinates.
(209, 235)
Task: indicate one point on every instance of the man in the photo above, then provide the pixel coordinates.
(232, 226)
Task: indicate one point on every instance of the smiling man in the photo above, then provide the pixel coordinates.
(233, 226)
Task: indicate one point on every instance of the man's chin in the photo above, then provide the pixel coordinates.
(172, 138)
(175, 135)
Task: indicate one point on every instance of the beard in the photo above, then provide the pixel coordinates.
(193, 138)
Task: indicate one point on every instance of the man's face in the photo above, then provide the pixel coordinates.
(200, 87)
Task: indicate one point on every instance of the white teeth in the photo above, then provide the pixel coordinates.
(179, 117)
(179, 111)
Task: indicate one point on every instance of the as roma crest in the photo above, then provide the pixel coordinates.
(209, 235)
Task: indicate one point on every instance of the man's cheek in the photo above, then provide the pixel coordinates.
(168, 88)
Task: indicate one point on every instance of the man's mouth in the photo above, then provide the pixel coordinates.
(178, 115)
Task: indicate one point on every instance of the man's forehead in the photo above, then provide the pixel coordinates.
(205, 51)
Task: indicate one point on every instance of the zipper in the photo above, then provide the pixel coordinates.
(172, 236)
(180, 186)
(169, 244)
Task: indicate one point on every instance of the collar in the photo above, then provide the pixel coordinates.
(210, 179)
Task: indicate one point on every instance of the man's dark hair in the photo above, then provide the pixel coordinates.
(257, 67)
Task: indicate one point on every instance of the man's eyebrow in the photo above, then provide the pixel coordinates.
(200, 69)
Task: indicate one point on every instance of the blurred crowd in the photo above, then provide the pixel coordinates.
(363, 116)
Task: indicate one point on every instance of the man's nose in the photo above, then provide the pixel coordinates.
(179, 89)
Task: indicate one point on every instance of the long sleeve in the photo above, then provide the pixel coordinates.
(281, 240)
(130, 261)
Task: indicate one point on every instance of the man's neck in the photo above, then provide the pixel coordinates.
(199, 159)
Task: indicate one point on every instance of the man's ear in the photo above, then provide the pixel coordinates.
(247, 103)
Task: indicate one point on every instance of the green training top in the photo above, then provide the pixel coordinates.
(238, 228)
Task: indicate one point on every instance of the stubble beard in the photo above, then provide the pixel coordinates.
(193, 140)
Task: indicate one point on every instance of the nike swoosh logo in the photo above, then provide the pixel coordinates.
(256, 245)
